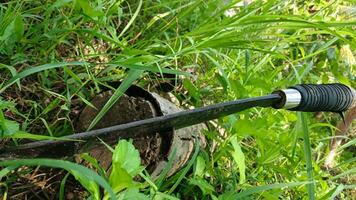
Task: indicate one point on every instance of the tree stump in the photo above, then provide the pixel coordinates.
(154, 148)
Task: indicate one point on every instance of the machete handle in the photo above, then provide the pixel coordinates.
(334, 97)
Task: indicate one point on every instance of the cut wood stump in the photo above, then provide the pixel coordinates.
(154, 148)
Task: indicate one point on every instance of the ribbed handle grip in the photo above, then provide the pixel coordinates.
(324, 97)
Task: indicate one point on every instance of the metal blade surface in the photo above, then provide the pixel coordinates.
(162, 123)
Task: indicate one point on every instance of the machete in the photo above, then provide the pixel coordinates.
(304, 97)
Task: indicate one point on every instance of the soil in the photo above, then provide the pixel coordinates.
(42, 183)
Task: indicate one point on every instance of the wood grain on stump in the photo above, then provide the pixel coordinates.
(127, 109)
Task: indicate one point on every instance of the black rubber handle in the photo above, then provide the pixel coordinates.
(334, 97)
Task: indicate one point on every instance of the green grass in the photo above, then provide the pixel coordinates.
(56, 53)
(308, 155)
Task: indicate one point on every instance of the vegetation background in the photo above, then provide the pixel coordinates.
(56, 53)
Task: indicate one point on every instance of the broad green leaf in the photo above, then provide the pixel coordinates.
(199, 167)
(127, 157)
(119, 179)
(88, 10)
(239, 158)
(8, 128)
(244, 127)
(126, 164)
(192, 89)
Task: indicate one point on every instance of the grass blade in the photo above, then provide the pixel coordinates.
(34, 70)
(259, 189)
(164, 173)
(132, 76)
(132, 19)
(62, 187)
(25, 135)
(12, 71)
(6, 170)
(308, 155)
(186, 169)
(150, 68)
(85, 174)
(345, 173)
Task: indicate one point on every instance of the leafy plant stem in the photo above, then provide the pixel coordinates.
(308, 156)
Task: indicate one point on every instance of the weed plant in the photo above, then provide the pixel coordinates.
(55, 55)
